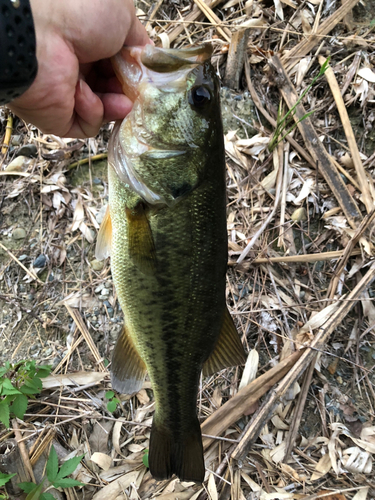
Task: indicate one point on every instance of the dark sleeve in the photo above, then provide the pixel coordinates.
(18, 63)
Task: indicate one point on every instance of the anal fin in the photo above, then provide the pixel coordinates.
(104, 240)
(141, 241)
(228, 351)
(128, 370)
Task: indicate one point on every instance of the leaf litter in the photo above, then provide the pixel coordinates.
(297, 421)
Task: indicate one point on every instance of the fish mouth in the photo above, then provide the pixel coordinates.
(164, 68)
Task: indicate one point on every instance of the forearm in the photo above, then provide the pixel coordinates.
(18, 62)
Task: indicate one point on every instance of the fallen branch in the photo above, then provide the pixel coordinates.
(252, 430)
(315, 147)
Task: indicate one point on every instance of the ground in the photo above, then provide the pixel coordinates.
(58, 305)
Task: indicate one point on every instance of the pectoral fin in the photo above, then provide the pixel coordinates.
(104, 240)
(141, 241)
(128, 370)
(228, 351)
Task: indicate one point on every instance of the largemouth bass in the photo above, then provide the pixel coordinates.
(166, 233)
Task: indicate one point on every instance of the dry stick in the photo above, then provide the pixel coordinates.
(366, 224)
(361, 173)
(271, 215)
(101, 156)
(86, 334)
(211, 16)
(300, 150)
(300, 406)
(313, 257)
(307, 44)
(8, 134)
(23, 449)
(269, 118)
(32, 275)
(252, 430)
(315, 147)
(236, 56)
(195, 14)
(232, 410)
(153, 13)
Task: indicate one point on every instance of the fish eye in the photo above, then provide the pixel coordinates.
(199, 96)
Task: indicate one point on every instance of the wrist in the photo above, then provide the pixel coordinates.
(18, 63)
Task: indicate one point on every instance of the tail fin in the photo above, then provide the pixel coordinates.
(179, 453)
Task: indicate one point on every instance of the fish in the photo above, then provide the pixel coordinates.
(165, 230)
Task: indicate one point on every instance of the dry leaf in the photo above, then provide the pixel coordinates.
(104, 461)
(98, 439)
(211, 487)
(251, 368)
(322, 467)
(367, 74)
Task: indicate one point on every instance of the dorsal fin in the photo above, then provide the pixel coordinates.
(228, 351)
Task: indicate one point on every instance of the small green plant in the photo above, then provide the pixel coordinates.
(112, 401)
(283, 123)
(18, 382)
(55, 475)
(4, 478)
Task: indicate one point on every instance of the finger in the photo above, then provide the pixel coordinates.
(89, 113)
(137, 34)
(116, 106)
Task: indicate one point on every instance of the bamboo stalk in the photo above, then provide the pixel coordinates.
(8, 134)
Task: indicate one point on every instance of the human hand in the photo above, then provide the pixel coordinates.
(75, 90)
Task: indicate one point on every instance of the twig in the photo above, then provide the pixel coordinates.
(308, 43)
(230, 412)
(32, 275)
(100, 156)
(8, 134)
(312, 257)
(367, 223)
(315, 147)
(224, 32)
(270, 216)
(23, 449)
(361, 173)
(254, 427)
(86, 334)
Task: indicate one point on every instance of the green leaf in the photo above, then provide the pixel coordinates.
(44, 371)
(145, 459)
(68, 467)
(3, 371)
(111, 406)
(28, 390)
(36, 493)
(47, 496)
(19, 406)
(109, 394)
(8, 388)
(4, 478)
(35, 383)
(66, 482)
(52, 468)
(27, 487)
(4, 414)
